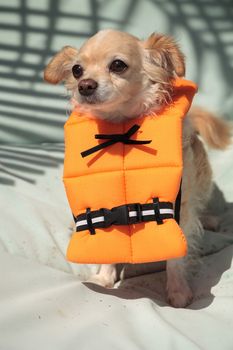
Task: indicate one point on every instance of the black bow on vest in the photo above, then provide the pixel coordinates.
(114, 138)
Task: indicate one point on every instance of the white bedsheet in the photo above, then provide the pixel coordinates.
(45, 305)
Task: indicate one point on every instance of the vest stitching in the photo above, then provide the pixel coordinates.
(118, 170)
(124, 182)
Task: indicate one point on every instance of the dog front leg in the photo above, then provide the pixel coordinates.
(106, 276)
(179, 293)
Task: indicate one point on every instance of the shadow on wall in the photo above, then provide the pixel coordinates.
(209, 25)
(26, 163)
(30, 110)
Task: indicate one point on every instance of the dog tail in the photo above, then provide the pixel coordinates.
(215, 132)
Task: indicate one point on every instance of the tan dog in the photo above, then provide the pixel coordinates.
(116, 76)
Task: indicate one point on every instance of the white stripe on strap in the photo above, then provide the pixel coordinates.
(151, 212)
(94, 221)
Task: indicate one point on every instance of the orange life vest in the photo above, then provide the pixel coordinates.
(137, 179)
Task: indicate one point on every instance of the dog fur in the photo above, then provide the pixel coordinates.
(144, 87)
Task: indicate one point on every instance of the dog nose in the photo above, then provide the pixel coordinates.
(87, 87)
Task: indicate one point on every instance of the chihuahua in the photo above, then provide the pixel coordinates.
(116, 76)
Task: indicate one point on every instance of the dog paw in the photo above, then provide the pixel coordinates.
(107, 282)
(180, 298)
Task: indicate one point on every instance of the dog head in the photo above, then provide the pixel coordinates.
(114, 75)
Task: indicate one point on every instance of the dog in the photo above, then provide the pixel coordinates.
(116, 76)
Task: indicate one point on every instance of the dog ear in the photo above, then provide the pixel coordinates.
(163, 51)
(59, 66)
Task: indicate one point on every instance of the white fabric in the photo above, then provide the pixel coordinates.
(44, 304)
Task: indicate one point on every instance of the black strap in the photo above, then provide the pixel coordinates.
(89, 221)
(139, 212)
(177, 205)
(120, 215)
(114, 138)
(156, 207)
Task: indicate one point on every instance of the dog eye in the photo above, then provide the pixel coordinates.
(118, 66)
(77, 71)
